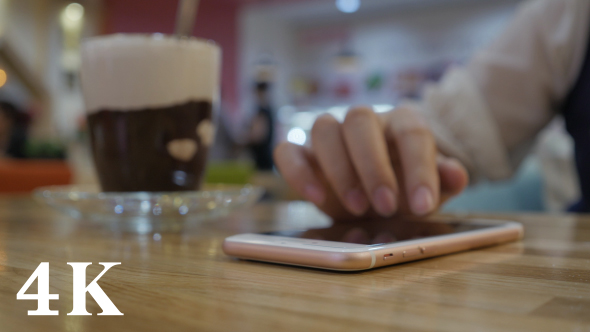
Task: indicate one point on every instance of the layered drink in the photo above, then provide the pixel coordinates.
(150, 102)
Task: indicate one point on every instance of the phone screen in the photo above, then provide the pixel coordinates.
(382, 231)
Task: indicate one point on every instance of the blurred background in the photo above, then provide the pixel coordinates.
(284, 63)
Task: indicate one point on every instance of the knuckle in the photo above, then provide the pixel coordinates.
(405, 112)
(409, 124)
(412, 130)
(323, 124)
(358, 114)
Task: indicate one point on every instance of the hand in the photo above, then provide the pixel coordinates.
(371, 165)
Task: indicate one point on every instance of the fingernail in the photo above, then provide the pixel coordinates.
(384, 200)
(356, 201)
(423, 201)
(314, 193)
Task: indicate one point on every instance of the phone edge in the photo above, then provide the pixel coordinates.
(375, 257)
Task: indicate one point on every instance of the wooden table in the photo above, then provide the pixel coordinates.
(185, 282)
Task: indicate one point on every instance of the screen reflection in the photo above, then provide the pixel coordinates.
(379, 232)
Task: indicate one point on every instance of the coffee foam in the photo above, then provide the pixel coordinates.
(134, 72)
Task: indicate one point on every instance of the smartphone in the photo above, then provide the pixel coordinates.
(371, 244)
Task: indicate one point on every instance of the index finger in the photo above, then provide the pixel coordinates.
(366, 144)
(417, 154)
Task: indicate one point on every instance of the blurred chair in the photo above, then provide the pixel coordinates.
(21, 176)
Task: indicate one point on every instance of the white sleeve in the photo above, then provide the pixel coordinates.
(488, 113)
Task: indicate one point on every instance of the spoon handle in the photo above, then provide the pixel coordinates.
(185, 17)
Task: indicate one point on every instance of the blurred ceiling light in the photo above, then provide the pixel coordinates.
(297, 136)
(348, 6)
(3, 78)
(74, 11)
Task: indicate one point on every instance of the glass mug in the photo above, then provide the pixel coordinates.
(150, 101)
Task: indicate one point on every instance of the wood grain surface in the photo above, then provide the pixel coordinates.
(176, 282)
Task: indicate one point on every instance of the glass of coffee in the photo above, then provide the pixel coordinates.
(150, 101)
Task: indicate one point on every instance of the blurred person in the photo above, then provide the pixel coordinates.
(262, 129)
(13, 131)
(479, 121)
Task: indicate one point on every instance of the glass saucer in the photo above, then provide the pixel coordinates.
(145, 212)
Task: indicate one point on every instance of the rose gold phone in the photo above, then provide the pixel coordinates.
(366, 245)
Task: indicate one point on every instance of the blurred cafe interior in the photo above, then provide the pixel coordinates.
(294, 59)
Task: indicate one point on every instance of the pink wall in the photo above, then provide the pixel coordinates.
(217, 20)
